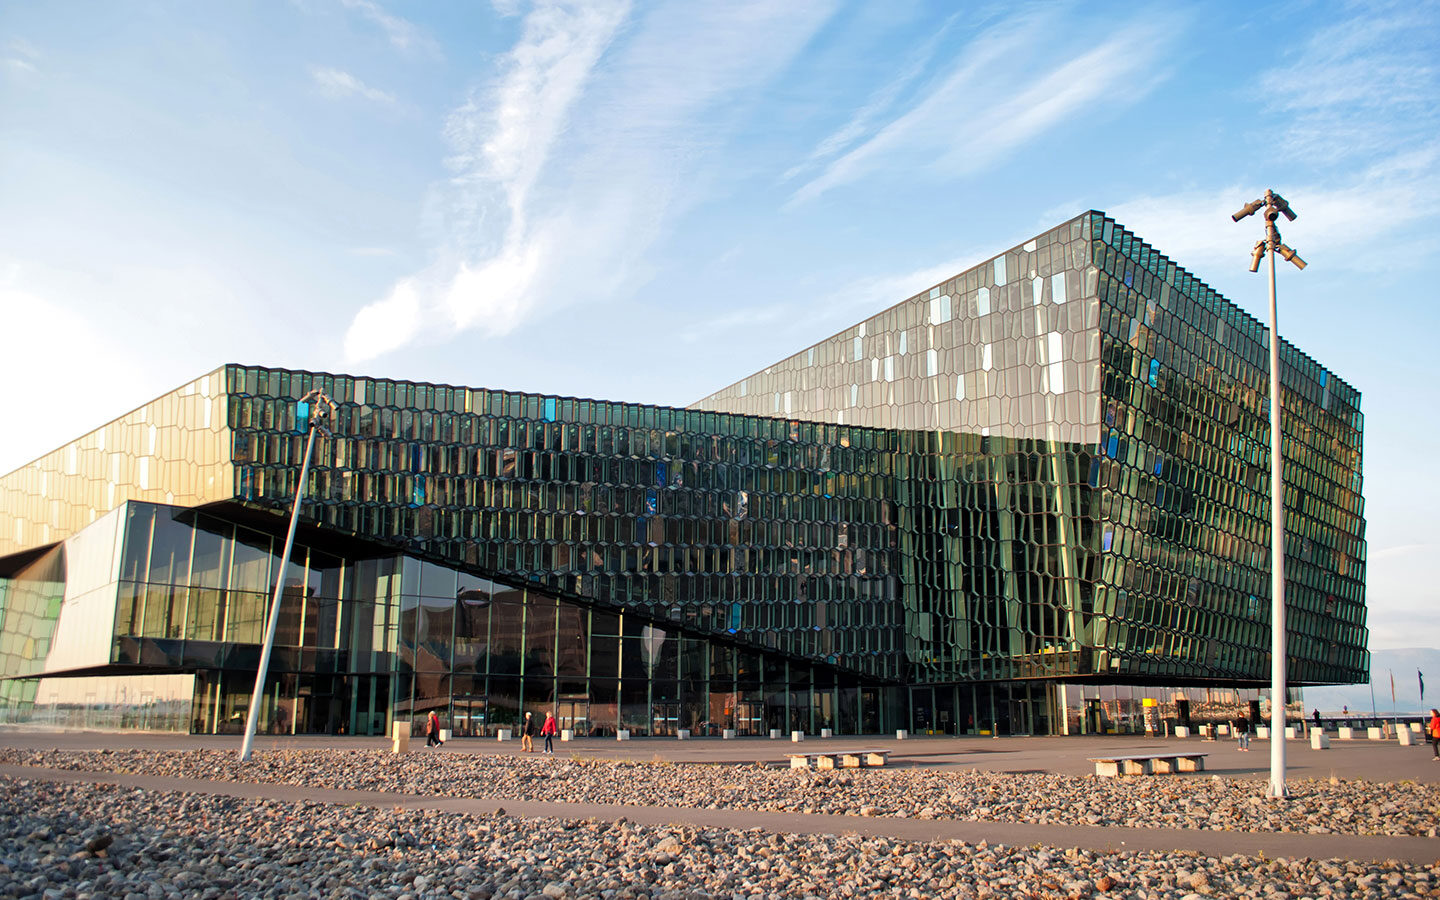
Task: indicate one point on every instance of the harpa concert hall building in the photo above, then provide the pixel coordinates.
(1032, 499)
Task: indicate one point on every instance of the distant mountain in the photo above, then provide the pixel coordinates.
(1403, 664)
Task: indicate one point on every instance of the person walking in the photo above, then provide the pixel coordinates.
(1435, 731)
(527, 735)
(548, 731)
(1242, 732)
(432, 730)
(1317, 720)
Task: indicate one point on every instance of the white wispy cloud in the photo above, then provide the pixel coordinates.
(1338, 216)
(881, 102)
(21, 56)
(598, 131)
(403, 35)
(1356, 86)
(338, 84)
(1002, 93)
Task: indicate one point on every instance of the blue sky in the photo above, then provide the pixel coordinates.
(647, 201)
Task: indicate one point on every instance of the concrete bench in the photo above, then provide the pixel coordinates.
(845, 759)
(1148, 763)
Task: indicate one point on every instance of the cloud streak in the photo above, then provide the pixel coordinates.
(998, 96)
(337, 84)
(1357, 86)
(598, 131)
(402, 34)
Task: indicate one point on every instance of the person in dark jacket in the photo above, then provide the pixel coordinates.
(527, 735)
(432, 730)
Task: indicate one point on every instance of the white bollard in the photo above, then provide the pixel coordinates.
(444, 735)
(774, 734)
(1262, 732)
(1406, 736)
(504, 734)
(727, 734)
(683, 734)
(825, 733)
(1289, 731)
(901, 734)
(1376, 734)
(567, 734)
(400, 737)
(623, 734)
(1319, 740)
(1347, 733)
(1182, 731)
(797, 737)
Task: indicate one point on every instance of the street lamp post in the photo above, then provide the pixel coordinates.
(323, 408)
(1274, 207)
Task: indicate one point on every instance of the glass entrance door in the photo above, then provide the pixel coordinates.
(573, 713)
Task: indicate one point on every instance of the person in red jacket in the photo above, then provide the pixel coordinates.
(548, 731)
(1435, 731)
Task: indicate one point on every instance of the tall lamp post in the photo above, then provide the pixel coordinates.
(318, 407)
(1274, 206)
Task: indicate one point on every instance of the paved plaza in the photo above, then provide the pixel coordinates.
(1348, 761)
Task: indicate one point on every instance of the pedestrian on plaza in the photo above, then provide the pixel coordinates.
(1435, 731)
(432, 730)
(527, 735)
(548, 731)
(1242, 732)
(1317, 720)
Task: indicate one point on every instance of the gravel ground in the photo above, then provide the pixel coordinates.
(97, 841)
(1190, 801)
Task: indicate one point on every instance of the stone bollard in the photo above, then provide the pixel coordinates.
(444, 735)
(504, 734)
(683, 734)
(774, 734)
(826, 732)
(1319, 740)
(1406, 736)
(400, 737)
(1290, 732)
(797, 737)
(1222, 730)
(1262, 732)
(901, 734)
(567, 734)
(727, 734)
(1347, 733)
(1182, 731)
(623, 734)
(1376, 734)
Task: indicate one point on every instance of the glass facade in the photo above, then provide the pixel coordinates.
(1046, 473)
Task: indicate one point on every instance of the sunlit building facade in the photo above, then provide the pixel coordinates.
(1022, 501)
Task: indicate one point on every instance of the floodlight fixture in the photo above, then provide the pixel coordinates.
(1278, 202)
(1248, 209)
(1256, 255)
(1290, 255)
